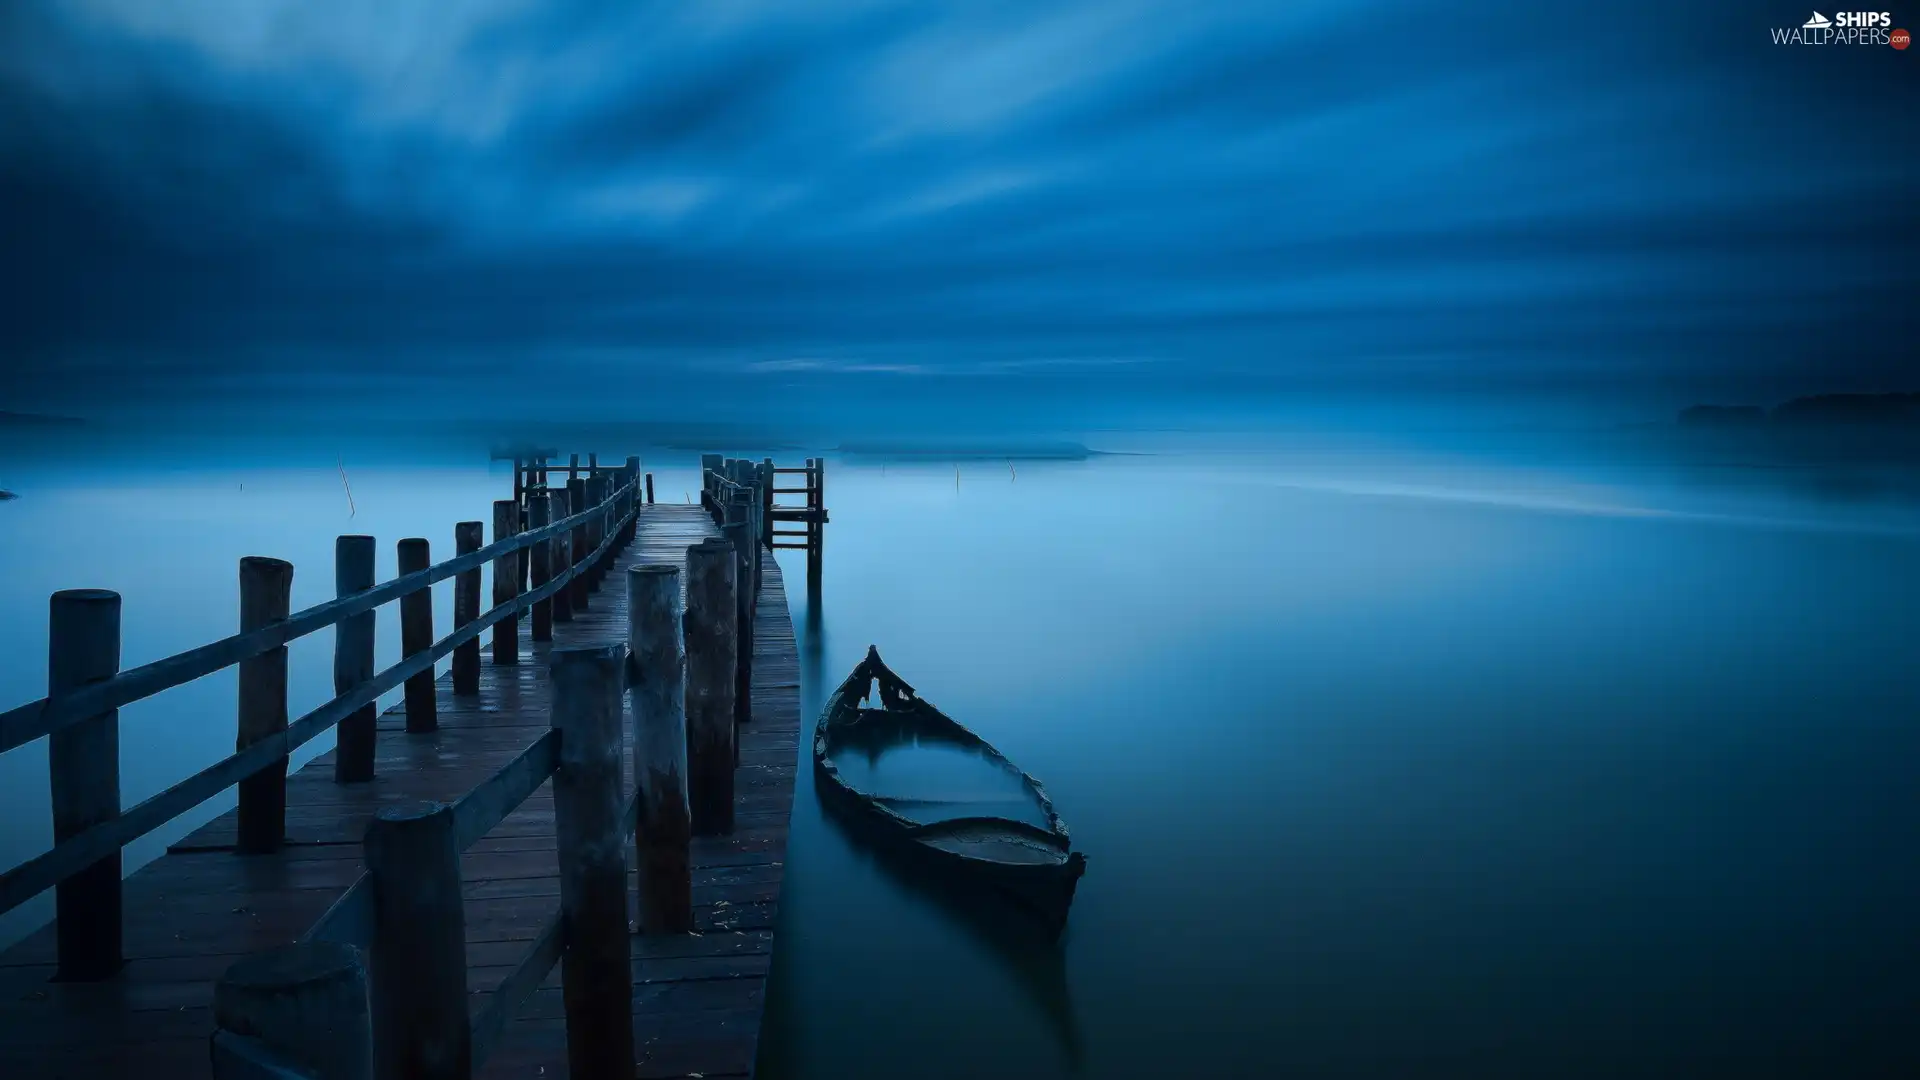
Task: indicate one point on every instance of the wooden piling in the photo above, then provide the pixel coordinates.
(649, 489)
(577, 498)
(589, 809)
(561, 557)
(353, 646)
(660, 749)
(573, 469)
(711, 626)
(416, 635)
(738, 531)
(304, 1005)
(764, 475)
(596, 527)
(266, 589)
(506, 583)
(418, 979)
(817, 530)
(83, 764)
(540, 564)
(632, 479)
(468, 537)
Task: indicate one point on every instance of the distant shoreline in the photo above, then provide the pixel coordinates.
(1895, 410)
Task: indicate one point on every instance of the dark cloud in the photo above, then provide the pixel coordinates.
(1117, 192)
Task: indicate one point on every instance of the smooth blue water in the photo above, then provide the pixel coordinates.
(1496, 758)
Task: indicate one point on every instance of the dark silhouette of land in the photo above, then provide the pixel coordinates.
(1825, 410)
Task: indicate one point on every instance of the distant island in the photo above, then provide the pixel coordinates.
(968, 449)
(21, 419)
(1821, 410)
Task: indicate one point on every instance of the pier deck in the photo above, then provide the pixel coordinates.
(698, 998)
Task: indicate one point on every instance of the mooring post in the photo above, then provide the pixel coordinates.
(302, 1008)
(506, 584)
(596, 527)
(709, 465)
(468, 537)
(765, 475)
(560, 556)
(817, 504)
(712, 663)
(573, 469)
(577, 498)
(266, 588)
(416, 635)
(589, 809)
(633, 499)
(649, 489)
(353, 660)
(540, 563)
(83, 769)
(418, 985)
(660, 749)
(738, 531)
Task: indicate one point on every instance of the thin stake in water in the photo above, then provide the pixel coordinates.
(351, 509)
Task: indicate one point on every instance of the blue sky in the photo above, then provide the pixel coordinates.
(238, 196)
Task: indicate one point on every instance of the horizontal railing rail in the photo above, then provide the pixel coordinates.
(24, 723)
(42, 872)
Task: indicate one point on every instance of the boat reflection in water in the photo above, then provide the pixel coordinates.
(954, 822)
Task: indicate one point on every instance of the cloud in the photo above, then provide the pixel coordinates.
(204, 188)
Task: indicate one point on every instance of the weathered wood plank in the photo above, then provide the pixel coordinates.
(198, 910)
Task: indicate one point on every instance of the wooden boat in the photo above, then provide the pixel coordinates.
(1032, 866)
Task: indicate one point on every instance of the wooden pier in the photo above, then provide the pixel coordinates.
(430, 898)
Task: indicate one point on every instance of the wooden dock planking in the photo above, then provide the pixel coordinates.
(193, 912)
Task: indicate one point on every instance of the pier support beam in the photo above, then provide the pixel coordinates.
(416, 636)
(658, 679)
(266, 589)
(596, 975)
(298, 1008)
(418, 989)
(506, 583)
(83, 762)
(353, 642)
(468, 537)
(712, 661)
(561, 557)
(540, 560)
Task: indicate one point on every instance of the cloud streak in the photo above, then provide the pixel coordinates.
(198, 190)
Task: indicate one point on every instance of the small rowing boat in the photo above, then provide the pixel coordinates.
(1028, 863)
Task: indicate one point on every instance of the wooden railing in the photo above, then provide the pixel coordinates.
(722, 477)
(565, 553)
(315, 1011)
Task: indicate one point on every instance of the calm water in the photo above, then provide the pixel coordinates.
(1389, 760)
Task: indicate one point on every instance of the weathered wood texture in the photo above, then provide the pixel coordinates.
(353, 660)
(193, 913)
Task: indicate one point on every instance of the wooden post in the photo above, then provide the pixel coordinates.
(573, 469)
(304, 1004)
(765, 476)
(83, 763)
(416, 635)
(709, 465)
(589, 810)
(561, 557)
(712, 662)
(660, 749)
(633, 498)
(739, 533)
(468, 537)
(353, 639)
(577, 498)
(649, 489)
(506, 584)
(596, 526)
(817, 501)
(418, 985)
(540, 563)
(266, 588)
